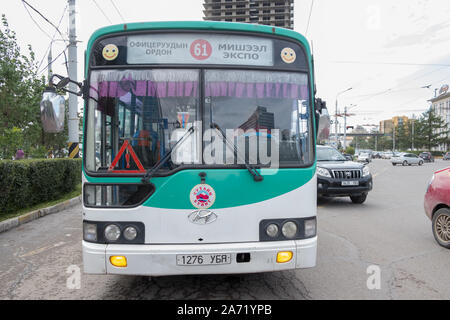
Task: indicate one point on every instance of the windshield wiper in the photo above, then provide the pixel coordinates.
(256, 175)
(162, 161)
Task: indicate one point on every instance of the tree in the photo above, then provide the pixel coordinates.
(432, 130)
(384, 143)
(350, 150)
(403, 137)
(20, 94)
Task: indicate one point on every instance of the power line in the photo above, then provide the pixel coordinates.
(63, 52)
(309, 18)
(99, 8)
(35, 22)
(57, 29)
(370, 96)
(43, 17)
(395, 63)
(53, 38)
(118, 11)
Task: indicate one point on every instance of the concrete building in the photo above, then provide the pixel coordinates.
(278, 13)
(387, 126)
(441, 107)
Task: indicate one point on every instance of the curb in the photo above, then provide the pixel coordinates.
(33, 215)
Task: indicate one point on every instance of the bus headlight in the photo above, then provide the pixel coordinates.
(286, 229)
(112, 232)
(289, 229)
(272, 230)
(130, 233)
(310, 228)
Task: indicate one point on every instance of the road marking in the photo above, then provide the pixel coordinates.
(378, 173)
(40, 250)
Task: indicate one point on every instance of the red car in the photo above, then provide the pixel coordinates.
(437, 206)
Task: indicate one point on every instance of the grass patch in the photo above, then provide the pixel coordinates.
(67, 196)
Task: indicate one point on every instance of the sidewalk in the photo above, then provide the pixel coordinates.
(33, 215)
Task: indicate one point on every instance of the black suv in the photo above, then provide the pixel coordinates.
(338, 177)
(427, 156)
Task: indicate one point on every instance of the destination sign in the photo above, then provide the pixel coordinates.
(186, 48)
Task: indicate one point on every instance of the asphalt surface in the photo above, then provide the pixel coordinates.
(40, 259)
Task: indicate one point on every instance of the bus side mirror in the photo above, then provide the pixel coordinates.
(52, 111)
(322, 120)
(53, 105)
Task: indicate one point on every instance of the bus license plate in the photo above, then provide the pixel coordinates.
(203, 259)
(350, 183)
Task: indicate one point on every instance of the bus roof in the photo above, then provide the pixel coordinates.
(197, 25)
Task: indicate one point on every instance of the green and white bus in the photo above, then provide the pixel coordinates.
(199, 149)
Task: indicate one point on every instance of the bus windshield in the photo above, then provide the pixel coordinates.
(150, 110)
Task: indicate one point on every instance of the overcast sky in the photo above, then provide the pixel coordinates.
(385, 50)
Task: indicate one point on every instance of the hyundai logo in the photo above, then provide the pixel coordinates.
(202, 217)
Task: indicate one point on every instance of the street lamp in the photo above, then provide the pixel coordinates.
(335, 115)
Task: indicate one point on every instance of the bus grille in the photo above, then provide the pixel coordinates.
(347, 174)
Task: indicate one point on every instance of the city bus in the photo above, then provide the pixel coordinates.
(199, 149)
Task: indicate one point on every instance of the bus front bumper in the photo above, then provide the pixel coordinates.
(161, 260)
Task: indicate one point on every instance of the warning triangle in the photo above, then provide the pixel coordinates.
(129, 149)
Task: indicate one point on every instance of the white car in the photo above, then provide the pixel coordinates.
(363, 157)
(387, 155)
(406, 159)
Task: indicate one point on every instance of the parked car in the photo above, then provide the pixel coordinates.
(426, 156)
(406, 159)
(446, 156)
(387, 155)
(363, 157)
(348, 156)
(338, 177)
(376, 155)
(437, 206)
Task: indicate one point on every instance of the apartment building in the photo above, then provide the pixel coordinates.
(279, 13)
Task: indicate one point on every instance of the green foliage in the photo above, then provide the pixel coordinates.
(350, 150)
(431, 131)
(29, 182)
(20, 94)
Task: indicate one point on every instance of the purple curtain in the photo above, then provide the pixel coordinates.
(114, 89)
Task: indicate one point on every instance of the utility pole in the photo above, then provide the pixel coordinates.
(73, 99)
(345, 127)
(345, 115)
(50, 73)
(393, 139)
(336, 123)
(336, 115)
(412, 133)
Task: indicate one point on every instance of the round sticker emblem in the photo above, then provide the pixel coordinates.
(200, 49)
(288, 55)
(110, 52)
(202, 196)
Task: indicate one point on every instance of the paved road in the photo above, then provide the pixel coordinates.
(390, 230)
